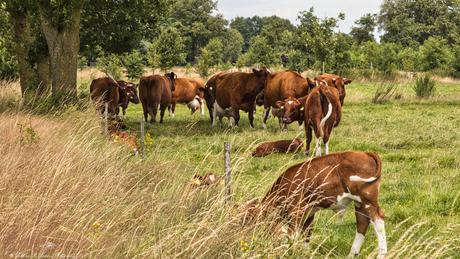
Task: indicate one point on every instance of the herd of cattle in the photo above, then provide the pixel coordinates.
(340, 177)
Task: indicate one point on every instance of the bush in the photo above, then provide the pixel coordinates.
(188, 69)
(110, 64)
(82, 61)
(225, 66)
(424, 86)
(134, 65)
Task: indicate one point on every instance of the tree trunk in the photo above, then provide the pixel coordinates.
(64, 44)
(44, 74)
(22, 38)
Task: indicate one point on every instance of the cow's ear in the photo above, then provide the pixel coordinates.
(280, 104)
(171, 75)
(256, 72)
(311, 83)
(202, 89)
(347, 81)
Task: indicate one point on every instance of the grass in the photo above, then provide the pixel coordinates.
(74, 188)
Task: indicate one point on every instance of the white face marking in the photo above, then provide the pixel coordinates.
(290, 102)
(210, 88)
(379, 227)
(359, 239)
(367, 206)
(212, 177)
(355, 178)
(128, 94)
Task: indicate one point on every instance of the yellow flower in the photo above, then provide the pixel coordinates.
(242, 242)
(245, 244)
(397, 202)
(244, 249)
(253, 239)
(364, 249)
(96, 224)
(427, 181)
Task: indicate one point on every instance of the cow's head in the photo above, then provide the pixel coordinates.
(125, 94)
(260, 98)
(293, 109)
(261, 73)
(171, 76)
(311, 84)
(132, 94)
(340, 83)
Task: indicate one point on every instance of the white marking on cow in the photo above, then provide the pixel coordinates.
(379, 227)
(367, 206)
(290, 102)
(355, 178)
(124, 116)
(300, 127)
(128, 94)
(318, 146)
(359, 239)
(323, 121)
(269, 70)
(265, 117)
(212, 177)
(210, 88)
(326, 148)
(202, 106)
(158, 107)
(193, 105)
(316, 82)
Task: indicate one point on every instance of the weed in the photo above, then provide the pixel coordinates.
(28, 134)
(424, 86)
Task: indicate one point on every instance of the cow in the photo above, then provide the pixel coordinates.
(328, 182)
(280, 86)
(320, 111)
(237, 91)
(187, 91)
(155, 94)
(207, 179)
(286, 146)
(111, 92)
(133, 95)
(338, 82)
(207, 93)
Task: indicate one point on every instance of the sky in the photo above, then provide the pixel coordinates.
(353, 9)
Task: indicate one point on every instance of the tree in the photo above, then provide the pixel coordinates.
(205, 62)
(273, 32)
(342, 56)
(434, 54)
(168, 49)
(232, 43)
(261, 52)
(134, 65)
(214, 48)
(196, 24)
(8, 60)
(365, 28)
(386, 58)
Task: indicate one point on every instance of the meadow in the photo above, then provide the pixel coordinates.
(63, 182)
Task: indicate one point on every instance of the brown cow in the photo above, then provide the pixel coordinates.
(320, 110)
(338, 82)
(133, 96)
(108, 90)
(237, 91)
(285, 146)
(155, 94)
(187, 91)
(280, 86)
(327, 182)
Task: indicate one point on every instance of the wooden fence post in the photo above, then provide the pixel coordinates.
(142, 139)
(227, 172)
(106, 114)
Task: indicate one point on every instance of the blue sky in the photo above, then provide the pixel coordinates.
(289, 9)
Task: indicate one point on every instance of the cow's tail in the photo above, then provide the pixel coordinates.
(378, 171)
(329, 112)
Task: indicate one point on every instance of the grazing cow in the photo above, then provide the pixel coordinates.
(280, 86)
(132, 95)
(285, 146)
(338, 82)
(327, 182)
(237, 91)
(207, 92)
(155, 94)
(187, 91)
(110, 91)
(320, 111)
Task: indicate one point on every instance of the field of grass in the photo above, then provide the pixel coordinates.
(91, 197)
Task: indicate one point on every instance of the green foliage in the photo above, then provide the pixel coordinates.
(82, 61)
(134, 65)
(205, 61)
(241, 61)
(214, 48)
(297, 61)
(225, 66)
(167, 51)
(424, 86)
(434, 54)
(261, 52)
(110, 64)
(232, 43)
(188, 69)
(365, 28)
(273, 32)
(28, 134)
(8, 62)
(386, 58)
(455, 62)
(342, 56)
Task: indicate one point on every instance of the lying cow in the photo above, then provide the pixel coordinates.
(155, 94)
(187, 91)
(327, 182)
(285, 146)
(207, 179)
(337, 82)
(320, 111)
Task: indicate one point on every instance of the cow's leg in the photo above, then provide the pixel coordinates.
(317, 130)
(327, 136)
(202, 106)
(308, 133)
(124, 113)
(251, 119)
(236, 116)
(307, 228)
(162, 114)
(266, 113)
(229, 121)
(214, 115)
(169, 110)
(379, 227)
(362, 223)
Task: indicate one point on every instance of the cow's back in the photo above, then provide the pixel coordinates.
(239, 89)
(282, 85)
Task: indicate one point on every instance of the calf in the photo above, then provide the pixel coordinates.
(155, 94)
(320, 110)
(132, 96)
(327, 182)
(285, 146)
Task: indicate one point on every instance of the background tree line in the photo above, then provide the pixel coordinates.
(419, 35)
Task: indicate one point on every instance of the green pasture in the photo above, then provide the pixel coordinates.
(417, 140)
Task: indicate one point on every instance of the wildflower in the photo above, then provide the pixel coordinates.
(242, 242)
(364, 249)
(427, 181)
(244, 249)
(397, 202)
(376, 240)
(96, 224)
(253, 240)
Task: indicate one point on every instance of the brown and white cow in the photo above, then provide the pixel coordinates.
(133, 96)
(280, 86)
(238, 91)
(286, 146)
(155, 94)
(109, 91)
(320, 111)
(338, 82)
(187, 91)
(327, 182)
